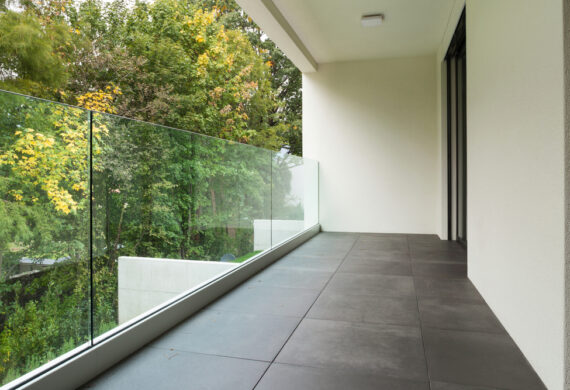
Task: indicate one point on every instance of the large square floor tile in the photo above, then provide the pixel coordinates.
(322, 251)
(477, 359)
(309, 262)
(366, 308)
(153, 369)
(455, 386)
(280, 301)
(241, 335)
(365, 348)
(372, 284)
(449, 313)
(376, 236)
(383, 255)
(328, 244)
(287, 377)
(447, 288)
(291, 278)
(426, 244)
(439, 256)
(374, 266)
(391, 244)
(412, 238)
(440, 270)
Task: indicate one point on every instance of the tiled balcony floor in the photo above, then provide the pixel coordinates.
(343, 311)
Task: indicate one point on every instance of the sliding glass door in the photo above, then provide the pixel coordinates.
(457, 135)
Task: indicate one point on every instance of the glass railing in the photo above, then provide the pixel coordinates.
(104, 219)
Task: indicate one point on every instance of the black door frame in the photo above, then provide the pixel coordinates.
(456, 50)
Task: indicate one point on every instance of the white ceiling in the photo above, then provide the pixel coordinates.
(331, 29)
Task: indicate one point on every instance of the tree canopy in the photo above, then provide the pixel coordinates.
(199, 65)
(84, 185)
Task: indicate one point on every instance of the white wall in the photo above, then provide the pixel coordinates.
(372, 127)
(145, 283)
(515, 127)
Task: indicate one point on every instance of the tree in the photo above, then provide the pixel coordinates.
(286, 79)
(157, 191)
(32, 55)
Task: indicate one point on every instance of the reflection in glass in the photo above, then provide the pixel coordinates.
(170, 211)
(294, 196)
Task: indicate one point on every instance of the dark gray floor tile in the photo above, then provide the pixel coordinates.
(291, 278)
(316, 263)
(362, 333)
(372, 284)
(365, 308)
(375, 236)
(477, 359)
(338, 235)
(440, 270)
(449, 313)
(327, 246)
(321, 251)
(383, 255)
(447, 288)
(385, 244)
(327, 242)
(366, 348)
(420, 238)
(224, 333)
(159, 369)
(434, 245)
(374, 266)
(438, 256)
(453, 386)
(287, 377)
(281, 301)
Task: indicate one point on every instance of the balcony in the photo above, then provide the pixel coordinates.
(342, 311)
(128, 219)
(420, 243)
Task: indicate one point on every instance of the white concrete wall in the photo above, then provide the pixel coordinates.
(145, 283)
(372, 127)
(515, 128)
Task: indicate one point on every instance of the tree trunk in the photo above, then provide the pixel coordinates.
(213, 198)
(118, 238)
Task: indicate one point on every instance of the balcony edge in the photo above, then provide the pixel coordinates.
(90, 363)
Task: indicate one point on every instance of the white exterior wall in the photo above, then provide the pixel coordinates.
(372, 127)
(515, 128)
(145, 283)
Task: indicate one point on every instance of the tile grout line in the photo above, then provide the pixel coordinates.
(178, 350)
(307, 312)
(419, 316)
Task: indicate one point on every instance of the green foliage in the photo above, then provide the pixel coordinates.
(157, 192)
(32, 55)
(245, 257)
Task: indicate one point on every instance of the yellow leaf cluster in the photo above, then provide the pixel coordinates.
(198, 23)
(53, 161)
(101, 100)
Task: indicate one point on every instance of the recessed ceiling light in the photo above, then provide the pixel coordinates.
(372, 20)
